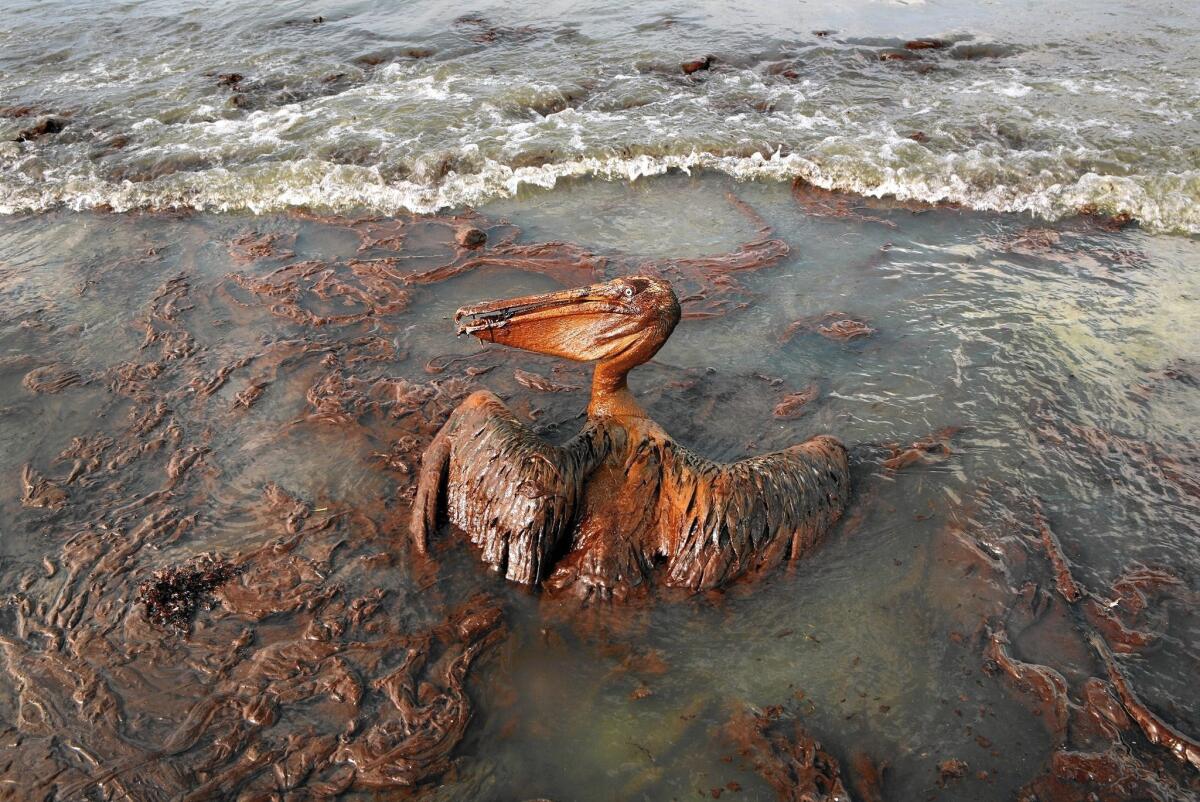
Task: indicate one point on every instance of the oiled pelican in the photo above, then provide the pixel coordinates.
(621, 502)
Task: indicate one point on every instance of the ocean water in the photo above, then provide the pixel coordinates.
(226, 329)
(420, 106)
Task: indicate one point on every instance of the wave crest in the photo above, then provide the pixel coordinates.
(901, 169)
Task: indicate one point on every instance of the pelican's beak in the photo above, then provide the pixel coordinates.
(492, 315)
(583, 324)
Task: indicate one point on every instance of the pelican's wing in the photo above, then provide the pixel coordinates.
(721, 520)
(514, 494)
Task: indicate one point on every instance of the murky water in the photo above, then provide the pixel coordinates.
(423, 105)
(1055, 366)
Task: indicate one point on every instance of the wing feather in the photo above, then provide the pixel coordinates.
(720, 521)
(513, 494)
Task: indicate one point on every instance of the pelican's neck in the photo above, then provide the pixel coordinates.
(611, 397)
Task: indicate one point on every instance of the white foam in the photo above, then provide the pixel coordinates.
(1163, 203)
(1013, 89)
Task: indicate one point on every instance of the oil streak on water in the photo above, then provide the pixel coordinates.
(210, 423)
(1022, 408)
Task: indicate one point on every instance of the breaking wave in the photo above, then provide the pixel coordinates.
(470, 109)
(901, 169)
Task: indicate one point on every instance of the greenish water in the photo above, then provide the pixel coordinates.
(1065, 355)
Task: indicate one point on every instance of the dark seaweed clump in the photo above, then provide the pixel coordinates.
(174, 593)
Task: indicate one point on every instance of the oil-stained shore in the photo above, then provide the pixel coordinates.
(210, 428)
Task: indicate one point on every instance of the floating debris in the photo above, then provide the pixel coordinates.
(175, 593)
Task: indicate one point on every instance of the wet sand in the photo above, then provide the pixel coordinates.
(211, 428)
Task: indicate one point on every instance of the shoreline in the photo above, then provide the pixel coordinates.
(815, 200)
(524, 183)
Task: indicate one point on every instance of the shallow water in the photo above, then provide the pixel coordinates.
(1062, 356)
(418, 106)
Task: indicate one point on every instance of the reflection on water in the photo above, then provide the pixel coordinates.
(267, 397)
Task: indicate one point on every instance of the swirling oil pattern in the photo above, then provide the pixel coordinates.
(211, 431)
(961, 238)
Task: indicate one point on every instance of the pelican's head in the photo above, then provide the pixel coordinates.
(623, 321)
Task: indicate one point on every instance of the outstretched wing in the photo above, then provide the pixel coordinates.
(722, 520)
(511, 492)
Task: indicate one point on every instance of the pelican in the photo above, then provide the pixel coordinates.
(621, 504)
